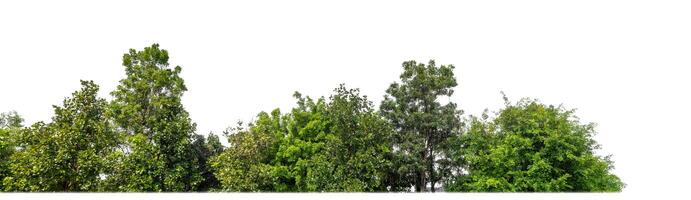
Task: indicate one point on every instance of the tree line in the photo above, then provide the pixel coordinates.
(143, 140)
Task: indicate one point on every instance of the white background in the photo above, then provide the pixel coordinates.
(622, 64)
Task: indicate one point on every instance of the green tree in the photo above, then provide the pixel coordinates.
(68, 153)
(10, 120)
(531, 147)
(422, 123)
(361, 151)
(204, 149)
(10, 124)
(341, 145)
(246, 164)
(147, 107)
(6, 150)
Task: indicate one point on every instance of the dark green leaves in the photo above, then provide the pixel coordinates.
(421, 122)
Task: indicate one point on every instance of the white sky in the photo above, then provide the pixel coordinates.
(622, 64)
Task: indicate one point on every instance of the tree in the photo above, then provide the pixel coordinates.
(6, 150)
(246, 164)
(362, 149)
(531, 147)
(10, 120)
(341, 145)
(421, 122)
(10, 123)
(206, 148)
(67, 154)
(147, 107)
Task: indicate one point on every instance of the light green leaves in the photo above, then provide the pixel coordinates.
(10, 125)
(144, 141)
(147, 106)
(67, 154)
(340, 145)
(531, 147)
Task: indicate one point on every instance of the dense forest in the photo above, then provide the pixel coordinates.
(143, 140)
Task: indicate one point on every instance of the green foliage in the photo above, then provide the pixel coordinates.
(204, 149)
(530, 147)
(336, 146)
(144, 140)
(362, 150)
(67, 154)
(243, 165)
(421, 122)
(159, 155)
(10, 124)
(10, 120)
(6, 149)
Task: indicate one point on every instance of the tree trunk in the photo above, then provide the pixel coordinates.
(431, 170)
(417, 181)
(421, 182)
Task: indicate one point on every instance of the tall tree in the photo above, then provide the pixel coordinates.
(362, 150)
(147, 107)
(67, 154)
(421, 121)
(531, 147)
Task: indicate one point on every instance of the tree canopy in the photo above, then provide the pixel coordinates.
(421, 122)
(10, 120)
(143, 140)
(67, 154)
(339, 145)
(147, 108)
(10, 123)
(531, 147)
